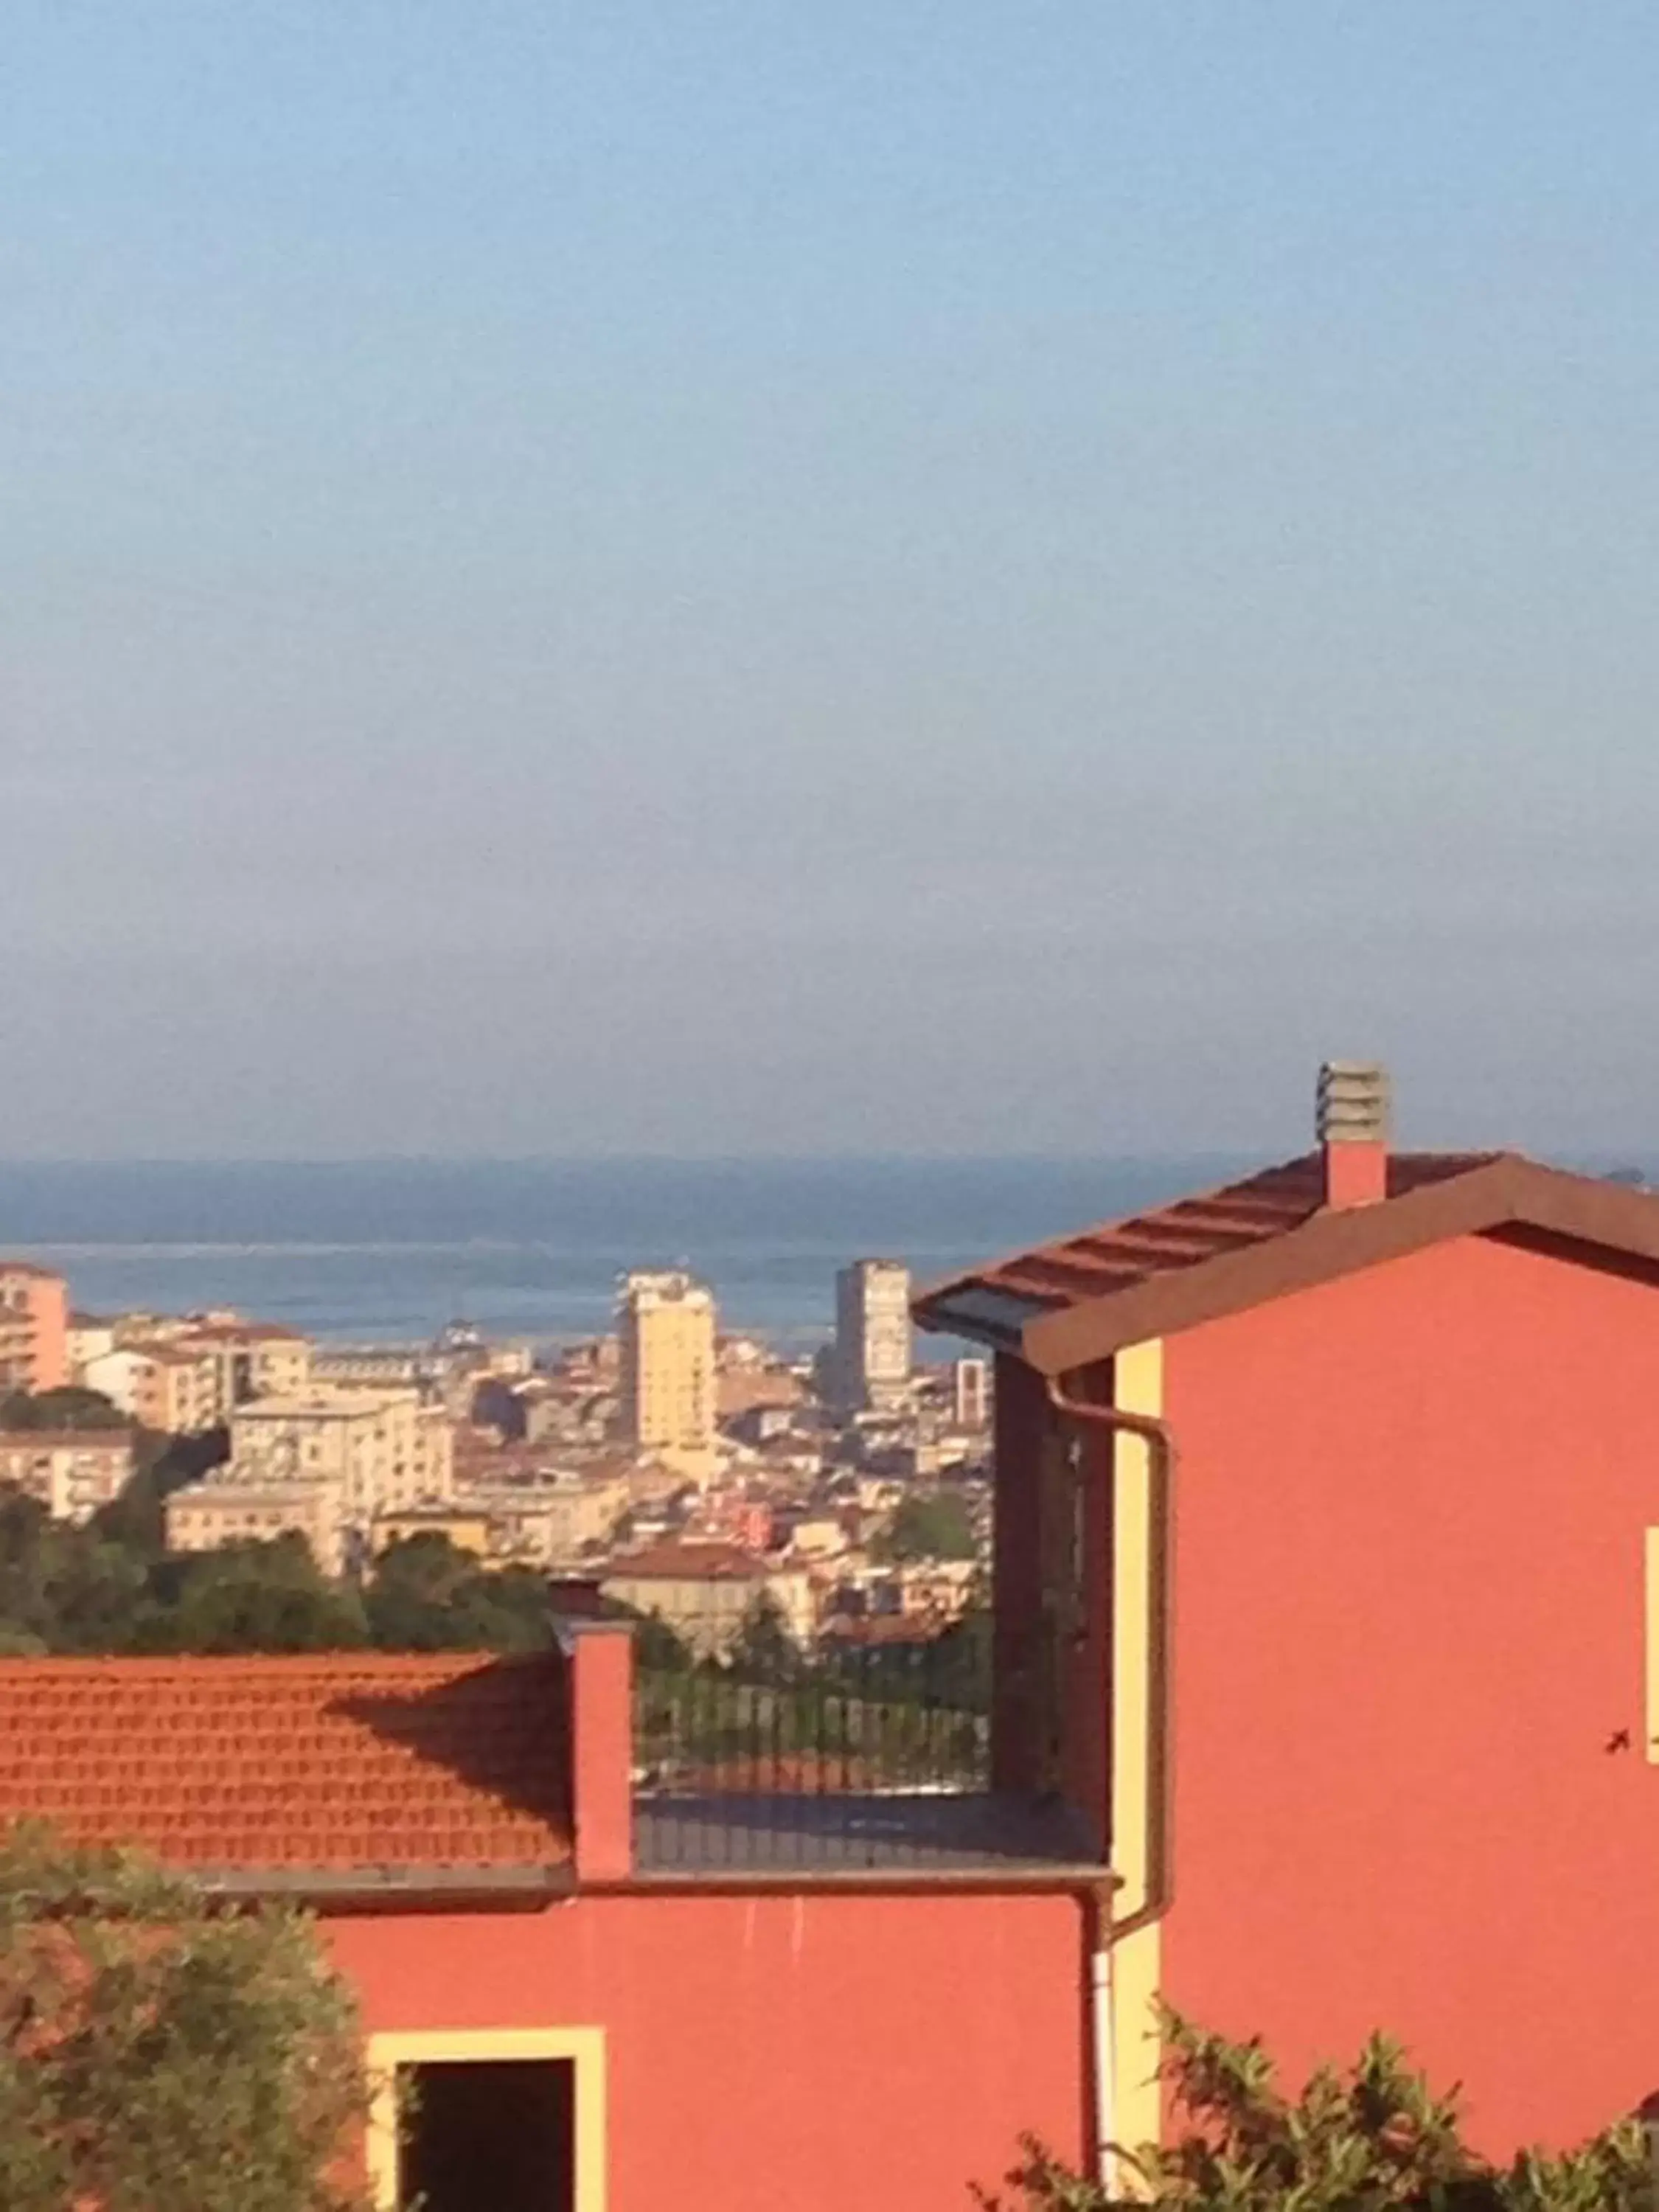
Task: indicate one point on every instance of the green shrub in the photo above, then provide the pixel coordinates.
(1368, 2139)
(157, 2055)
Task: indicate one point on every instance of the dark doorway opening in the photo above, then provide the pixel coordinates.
(489, 2136)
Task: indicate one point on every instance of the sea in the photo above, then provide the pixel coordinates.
(391, 1251)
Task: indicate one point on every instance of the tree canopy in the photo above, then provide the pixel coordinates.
(428, 1595)
(155, 2052)
(933, 1527)
(764, 1648)
(69, 1408)
(109, 1587)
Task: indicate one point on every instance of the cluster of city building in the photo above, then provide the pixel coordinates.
(688, 1473)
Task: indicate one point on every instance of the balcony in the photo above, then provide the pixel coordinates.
(869, 1760)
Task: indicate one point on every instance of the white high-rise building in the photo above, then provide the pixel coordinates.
(873, 1335)
(666, 1325)
(970, 1393)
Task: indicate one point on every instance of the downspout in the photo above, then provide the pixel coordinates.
(1103, 2033)
(1159, 1861)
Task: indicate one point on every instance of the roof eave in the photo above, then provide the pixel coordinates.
(383, 1888)
(1507, 1191)
(982, 1312)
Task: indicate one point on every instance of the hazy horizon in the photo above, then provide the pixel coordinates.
(723, 582)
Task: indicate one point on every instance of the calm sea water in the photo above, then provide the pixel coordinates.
(391, 1250)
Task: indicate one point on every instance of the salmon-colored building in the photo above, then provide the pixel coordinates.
(1326, 1690)
(1328, 1588)
(592, 2020)
(34, 1327)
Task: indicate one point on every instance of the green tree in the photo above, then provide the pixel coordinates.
(1373, 2137)
(164, 1464)
(24, 1528)
(267, 1596)
(67, 1407)
(96, 1593)
(428, 1595)
(764, 1650)
(936, 1527)
(657, 1648)
(155, 2053)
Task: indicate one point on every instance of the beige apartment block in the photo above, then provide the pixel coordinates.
(384, 1448)
(162, 1385)
(146, 1329)
(668, 1381)
(467, 1528)
(205, 1516)
(251, 1359)
(368, 1367)
(705, 1592)
(72, 1473)
(189, 1376)
(821, 1537)
(552, 1522)
(89, 1338)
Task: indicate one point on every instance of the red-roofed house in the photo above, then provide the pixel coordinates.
(594, 2020)
(1327, 1569)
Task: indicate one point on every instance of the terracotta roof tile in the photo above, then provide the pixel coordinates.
(1114, 1255)
(332, 1764)
(1065, 1305)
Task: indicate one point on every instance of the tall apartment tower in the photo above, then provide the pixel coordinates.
(873, 1335)
(970, 1393)
(34, 1327)
(666, 1326)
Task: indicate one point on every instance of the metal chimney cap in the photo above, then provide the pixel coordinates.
(1354, 1103)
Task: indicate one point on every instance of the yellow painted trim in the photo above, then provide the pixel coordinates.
(1137, 2045)
(584, 2046)
(1137, 1961)
(1653, 1644)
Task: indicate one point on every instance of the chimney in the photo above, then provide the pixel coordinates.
(1353, 1132)
(599, 1679)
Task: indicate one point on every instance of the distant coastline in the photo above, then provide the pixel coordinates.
(380, 1251)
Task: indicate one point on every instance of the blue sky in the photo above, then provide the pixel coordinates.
(709, 577)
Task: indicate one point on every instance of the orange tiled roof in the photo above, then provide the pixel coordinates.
(997, 1302)
(1117, 1254)
(1064, 1305)
(337, 1763)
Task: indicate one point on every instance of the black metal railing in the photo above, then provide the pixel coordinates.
(904, 1717)
(864, 1757)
